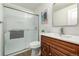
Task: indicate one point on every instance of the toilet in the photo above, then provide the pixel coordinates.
(35, 46)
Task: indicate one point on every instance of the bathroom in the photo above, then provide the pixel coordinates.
(39, 29)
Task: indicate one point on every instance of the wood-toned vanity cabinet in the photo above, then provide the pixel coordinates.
(55, 47)
(45, 47)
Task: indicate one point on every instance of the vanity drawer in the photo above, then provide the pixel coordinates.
(64, 51)
(45, 38)
(65, 45)
(55, 52)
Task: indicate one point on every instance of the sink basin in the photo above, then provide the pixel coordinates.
(71, 38)
(35, 44)
(66, 36)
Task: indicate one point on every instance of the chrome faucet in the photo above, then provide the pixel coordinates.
(61, 31)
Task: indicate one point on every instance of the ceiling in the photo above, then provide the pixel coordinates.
(58, 6)
(31, 6)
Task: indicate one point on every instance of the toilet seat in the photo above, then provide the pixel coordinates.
(35, 44)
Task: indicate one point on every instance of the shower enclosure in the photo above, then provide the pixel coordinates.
(20, 29)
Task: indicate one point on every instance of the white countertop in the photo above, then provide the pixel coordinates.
(68, 38)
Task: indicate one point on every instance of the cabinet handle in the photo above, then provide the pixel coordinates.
(50, 54)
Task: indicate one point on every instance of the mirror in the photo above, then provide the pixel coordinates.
(64, 14)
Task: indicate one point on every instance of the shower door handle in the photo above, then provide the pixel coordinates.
(1, 22)
(35, 28)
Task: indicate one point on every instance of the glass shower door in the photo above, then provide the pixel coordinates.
(20, 30)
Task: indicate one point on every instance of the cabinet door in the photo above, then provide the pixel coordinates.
(55, 52)
(77, 50)
(44, 49)
(52, 52)
(62, 48)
